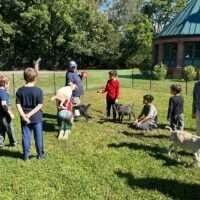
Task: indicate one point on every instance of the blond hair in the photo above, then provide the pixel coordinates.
(30, 74)
(3, 79)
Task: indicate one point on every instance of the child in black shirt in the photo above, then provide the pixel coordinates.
(175, 109)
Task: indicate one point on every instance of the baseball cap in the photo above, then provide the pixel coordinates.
(72, 64)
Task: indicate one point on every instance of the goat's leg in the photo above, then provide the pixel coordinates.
(122, 116)
(133, 114)
(175, 150)
(119, 119)
(171, 147)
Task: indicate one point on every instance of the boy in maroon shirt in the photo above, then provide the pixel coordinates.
(112, 89)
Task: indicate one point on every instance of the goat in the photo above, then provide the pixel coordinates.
(124, 110)
(186, 141)
(64, 94)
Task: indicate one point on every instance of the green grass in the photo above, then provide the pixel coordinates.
(102, 160)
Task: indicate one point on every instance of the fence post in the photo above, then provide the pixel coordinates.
(150, 74)
(186, 86)
(132, 79)
(13, 82)
(54, 82)
(86, 83)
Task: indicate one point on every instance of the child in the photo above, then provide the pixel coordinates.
(65, 118)
(196, 106)
(6, 115)
(148, 117)
(175, 110)
(112, 89)
(29, 100)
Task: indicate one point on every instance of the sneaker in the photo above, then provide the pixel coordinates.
(61, 134)
(43, 156)
(14, 145)
(26, 158)
(66, 135)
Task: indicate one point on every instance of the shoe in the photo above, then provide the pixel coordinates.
(61, 134)
(26, 158)
(66, 135)
(43, 156)
(13, 145)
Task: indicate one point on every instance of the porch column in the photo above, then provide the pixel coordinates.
(161, 51)
(179, 56)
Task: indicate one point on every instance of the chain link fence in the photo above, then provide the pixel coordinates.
(50, 81)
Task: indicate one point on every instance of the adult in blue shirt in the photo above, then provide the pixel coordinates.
(74, 77)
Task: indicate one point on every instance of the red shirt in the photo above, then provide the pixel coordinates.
(112, 89)
(68, 106)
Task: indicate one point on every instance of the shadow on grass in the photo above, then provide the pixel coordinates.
(49, 122)
(144, 76)
(172, 189)
(10, 153)
(171, 161)
(141, 134)
(140, 147)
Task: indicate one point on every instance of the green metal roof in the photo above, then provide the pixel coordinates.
(186, 23)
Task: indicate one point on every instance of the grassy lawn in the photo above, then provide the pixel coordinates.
(103, 160)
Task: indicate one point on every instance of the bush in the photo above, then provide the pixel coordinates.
(189, 73)
(159, 71)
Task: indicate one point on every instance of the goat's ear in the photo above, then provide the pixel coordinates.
(70, 83)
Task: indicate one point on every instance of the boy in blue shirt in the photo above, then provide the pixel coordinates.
(29, 100)
(6, 115)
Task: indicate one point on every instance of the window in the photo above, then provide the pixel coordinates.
(192, 50)
(170, 52)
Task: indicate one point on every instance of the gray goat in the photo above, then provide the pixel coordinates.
(124, 110)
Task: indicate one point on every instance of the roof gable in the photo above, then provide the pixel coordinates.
(187, 22)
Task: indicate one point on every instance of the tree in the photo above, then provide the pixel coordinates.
(161, 12)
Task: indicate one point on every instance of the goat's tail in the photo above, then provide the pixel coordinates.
(53, 98)
(88, 105)
(168, 127)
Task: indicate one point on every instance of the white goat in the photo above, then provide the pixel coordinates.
(186, 141)
(64, 94)
(36, 64)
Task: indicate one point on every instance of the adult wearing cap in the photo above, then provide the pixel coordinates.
(72, 76)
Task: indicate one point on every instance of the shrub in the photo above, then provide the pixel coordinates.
(159, 71)
(189, 73)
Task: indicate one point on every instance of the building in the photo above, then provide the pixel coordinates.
(178, 45)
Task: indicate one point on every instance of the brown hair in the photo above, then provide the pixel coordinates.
(176, 88)
(113, 73)
(30, 74)
(3, 79)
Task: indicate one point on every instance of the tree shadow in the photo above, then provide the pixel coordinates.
(144, 76)
(155, 151)
(171, 161)
(142, 134)
(13, 154)
(173, 189)
(140, 147)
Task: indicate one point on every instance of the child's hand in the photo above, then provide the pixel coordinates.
(26, 119)
(116, 100)
(11, 115)
(98, 91)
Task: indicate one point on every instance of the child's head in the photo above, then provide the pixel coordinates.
(148, 98)
(4, 81)
(175, 88)
(112, 74)
(30, 75)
